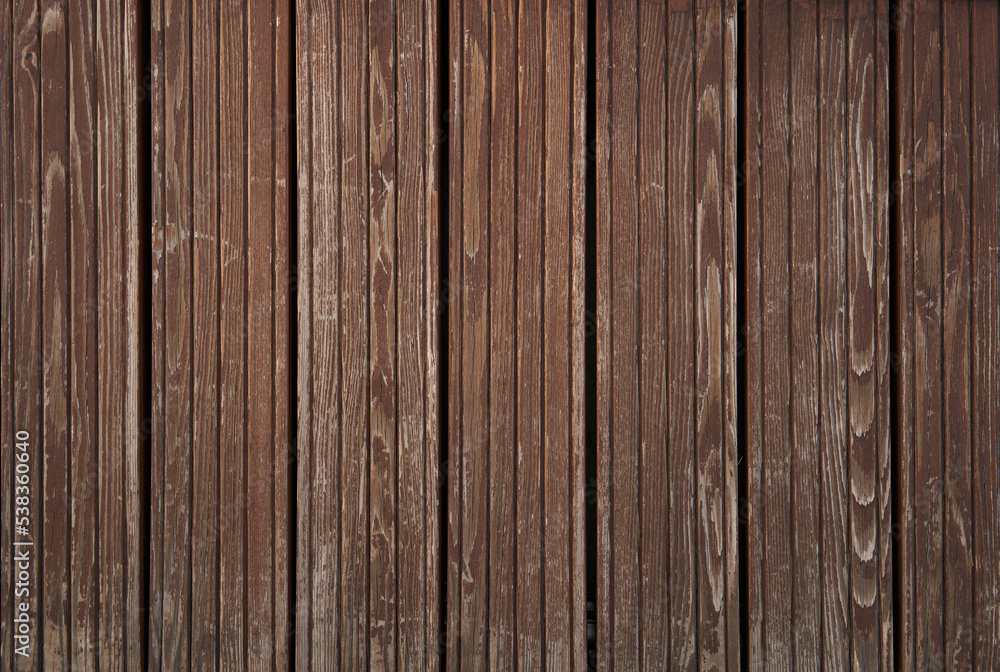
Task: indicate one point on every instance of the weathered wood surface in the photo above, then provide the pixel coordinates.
(296, 316)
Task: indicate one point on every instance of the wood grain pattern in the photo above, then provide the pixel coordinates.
(7, 431)
(984, 150)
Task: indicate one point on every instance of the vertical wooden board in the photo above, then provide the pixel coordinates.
(753, 213)
(83, 590)
(985, 307)
(861, 384)
(383, 380)
(111, 274)
(777, 314)
(434, 308)
(205, 501)
(503, 580)
(54, 312)
(453, 573)
(625, 297)
(355, 330)
(927, 279)
(302, 275)
(956, 332)
(578, 318)
(708, 308)
(282, 328)
(556, 253)
(233, 351)
(883, 438)
(530, 560)
(26, 369)
(177, 484)
(157, 335)
(475, 342)
(133, 487)
(413, 277)
(805, 226)
(903, 363)
(681, 371)
(602, 54)
(653, 262)
(731, 346)
(321, 289)
(833, 441)
(259, 330)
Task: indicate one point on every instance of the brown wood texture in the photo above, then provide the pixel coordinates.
(69, 211)
(500, 335)
(221, 446)
(818, 339)
(668, 591)
(368, 255)
(516, 596)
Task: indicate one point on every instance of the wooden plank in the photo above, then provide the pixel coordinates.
(832, 337)
(383, 379)
(178, 274)
(731, 346)
(777, 313)
(414, 271)
(302, 276)
(504, 415)
(883, 338)
(654, 493)
(83, 585)
(435, 417)
(604, 625)
(205, 504)
(985, 310)
(709, 241)
(753, 213)
(259, 325)
(681, 357)
(111, 275)
(956, 258)
(861, 384)
(233, 350)
(283, 327)
(557, 476)
(927, 278)
(805, 261)
(530, 560)
(355, 330)
(54, 312)
(904, 365)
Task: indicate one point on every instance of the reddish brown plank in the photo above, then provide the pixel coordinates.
(956, 257)
(653, 263)
(710, 437)
(985, 310)
(205, 501)
(903, 364)
(503, 540)
(7, 431)
(383, 379)
(355, 330)
(681, 356)
(83, 587)
(54, 313)
(927, 401)
(233, 350)
(861, 346)
(259, 325)
(804, 354)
